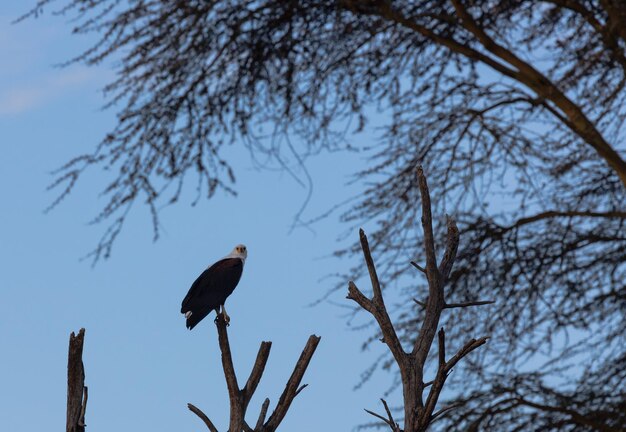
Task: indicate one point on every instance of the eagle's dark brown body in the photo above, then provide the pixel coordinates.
(211, 289)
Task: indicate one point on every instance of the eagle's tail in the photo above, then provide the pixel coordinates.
(194, 317)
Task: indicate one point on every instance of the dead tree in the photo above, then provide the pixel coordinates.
(76, 389)
(418, 413)
(240, 397)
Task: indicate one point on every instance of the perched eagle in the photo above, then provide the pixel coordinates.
(212, 288)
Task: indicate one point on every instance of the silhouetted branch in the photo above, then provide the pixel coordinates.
(462, 305)
(262, 414)
(256, 373)
(240, 398)
(236, 409)
(76, 389)
(389, 420)
(197, 411)
(420, 303)
(419, 267)
(417, 414)
(291, 389)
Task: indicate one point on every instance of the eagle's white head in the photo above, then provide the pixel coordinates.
(240, 251)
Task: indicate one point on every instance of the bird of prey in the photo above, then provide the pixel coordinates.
(212, 288)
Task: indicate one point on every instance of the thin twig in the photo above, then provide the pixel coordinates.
(302, 387)
(422, 304)
(469, 346)
(379, 416)
(392, 422)
(462, 305)
(444, 410)
(419, 267)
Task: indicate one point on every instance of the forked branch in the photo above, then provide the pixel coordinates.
(418, 414)
(240, 398)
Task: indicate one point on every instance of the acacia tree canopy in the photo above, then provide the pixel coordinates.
(518, 100)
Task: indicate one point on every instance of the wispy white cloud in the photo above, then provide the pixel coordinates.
(28, 51)
(41, 90)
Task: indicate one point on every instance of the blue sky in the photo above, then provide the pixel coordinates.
(142, 365)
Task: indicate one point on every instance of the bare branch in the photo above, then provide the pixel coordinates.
(417, 414)
(468, 304)
(531, 77)
(379, 416)
(419, 267)
(427, 226)
(442, 348)
(470, 346)
(436, 279)
(355, 294)
(256, 373)
(237, 413)
(302, 387)
(76, 390)
(240, 399)
(420, 303)
(443, 411)
(452, 245)
(197, 411)
(379, 312)
(291, 389)
(378, 296)
(262, 414)
(394, 426)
